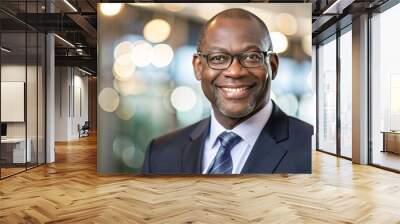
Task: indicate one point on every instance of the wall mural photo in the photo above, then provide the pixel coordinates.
(205, 88)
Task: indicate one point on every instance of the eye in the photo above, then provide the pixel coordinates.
(252, 57)
(218, 58)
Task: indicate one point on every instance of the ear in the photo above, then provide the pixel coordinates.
(274, 63)
(197, 66)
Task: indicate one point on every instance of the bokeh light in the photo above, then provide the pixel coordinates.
(286, 23)
(125, 47)
(166, 101)
(133, 86)
(124, 149)
(142, 53)
(123, 67)
(279, 42)
(183, 98)
(162, 55)
(306, 43)
(132, 157)
(110, 9)
(191, 116)
(174, 7)
(157, 30)
(126, 108)
(108, 99)
(119, 144)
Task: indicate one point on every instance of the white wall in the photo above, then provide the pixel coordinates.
(61, 103)
(80, 105)
(71, 94)
(16, 73)
(33, 126)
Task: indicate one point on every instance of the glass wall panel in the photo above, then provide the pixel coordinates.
(13, 105)
(385, 84)
(346, 94)
(41, 97)
(327, 96)
(31, 97)
(32, 85)
(40, 7)
(22, 89)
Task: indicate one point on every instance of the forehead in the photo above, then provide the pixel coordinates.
(234, 35)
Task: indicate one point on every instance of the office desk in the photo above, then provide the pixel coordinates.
(17, 147)
(391, 141)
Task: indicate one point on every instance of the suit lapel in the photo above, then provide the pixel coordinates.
(192, 154)
(267, 153)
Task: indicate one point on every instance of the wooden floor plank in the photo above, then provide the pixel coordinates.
(70, 191)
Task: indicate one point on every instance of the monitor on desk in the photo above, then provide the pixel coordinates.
(3, 130)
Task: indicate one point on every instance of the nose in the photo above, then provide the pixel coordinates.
(235, 69)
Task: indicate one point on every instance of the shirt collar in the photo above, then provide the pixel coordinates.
(248, 130)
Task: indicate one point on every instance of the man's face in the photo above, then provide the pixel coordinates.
(236, 91)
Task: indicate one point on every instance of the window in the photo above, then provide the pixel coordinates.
(346, 94)
(385, 89)
(327, 96)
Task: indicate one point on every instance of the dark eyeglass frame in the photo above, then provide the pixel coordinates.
(205, 56)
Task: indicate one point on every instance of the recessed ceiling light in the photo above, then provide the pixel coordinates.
(64, 40)
(5, 49)
(84, 71)
(70, 5)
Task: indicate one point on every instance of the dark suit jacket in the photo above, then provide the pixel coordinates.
(283, 146)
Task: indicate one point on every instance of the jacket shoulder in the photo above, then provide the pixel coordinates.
(300, 126)
(163, 154)
(179, 134)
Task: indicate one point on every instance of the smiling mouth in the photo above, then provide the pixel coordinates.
(235, 92)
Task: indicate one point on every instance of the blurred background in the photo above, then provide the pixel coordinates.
(146, 83)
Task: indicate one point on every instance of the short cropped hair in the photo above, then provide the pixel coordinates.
(234, 13)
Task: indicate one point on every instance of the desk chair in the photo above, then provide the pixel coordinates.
(84, 130)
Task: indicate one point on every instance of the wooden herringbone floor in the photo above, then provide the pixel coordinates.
(70, 191)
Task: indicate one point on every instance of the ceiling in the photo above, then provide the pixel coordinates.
(76, 22)
(77, 25)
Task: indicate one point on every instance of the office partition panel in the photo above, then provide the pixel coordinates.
(22, 77)
(15, 148)
(41, 107)
(31, 100)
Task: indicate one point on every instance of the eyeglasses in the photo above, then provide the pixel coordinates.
(222, 60)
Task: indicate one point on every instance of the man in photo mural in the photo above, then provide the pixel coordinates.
(246, 132)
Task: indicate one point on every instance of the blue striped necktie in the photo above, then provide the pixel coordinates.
(222, 163)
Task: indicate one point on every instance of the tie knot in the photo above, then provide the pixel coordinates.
(229, 139)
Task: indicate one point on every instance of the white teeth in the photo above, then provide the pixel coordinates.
(235, 90)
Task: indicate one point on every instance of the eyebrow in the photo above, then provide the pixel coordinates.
(219, 49)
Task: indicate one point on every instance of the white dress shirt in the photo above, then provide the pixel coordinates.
(248, 130)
